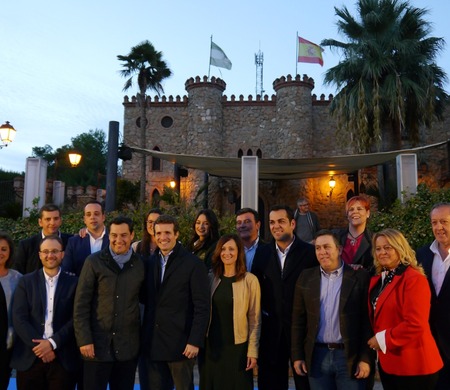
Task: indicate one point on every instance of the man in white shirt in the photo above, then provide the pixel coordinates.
(45, 353)
(435, 259)
(93, 239)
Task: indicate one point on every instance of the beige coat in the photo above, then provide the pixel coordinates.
(246, 311)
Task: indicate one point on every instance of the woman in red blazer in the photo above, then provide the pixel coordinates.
(399, 307)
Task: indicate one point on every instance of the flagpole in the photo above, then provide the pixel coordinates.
(296, 55)
(210, 52)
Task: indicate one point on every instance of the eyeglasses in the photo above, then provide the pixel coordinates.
(52, 252)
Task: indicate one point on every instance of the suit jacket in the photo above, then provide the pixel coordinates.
(261, 251)
(26, 257)
(403, 310)
(353, 316)
(277, 293)
(363, 255)
(440, 312)
(77, 250)
(177, 310)
(3, 324)
(30, 302)
(106, 310)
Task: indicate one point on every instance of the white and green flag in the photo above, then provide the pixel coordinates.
(218, 57)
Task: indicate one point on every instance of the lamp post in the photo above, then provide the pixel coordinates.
(74, 158)
(7, 134)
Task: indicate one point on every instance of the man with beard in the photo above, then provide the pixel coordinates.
(94, 239)
(277, 271)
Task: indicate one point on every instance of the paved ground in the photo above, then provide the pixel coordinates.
(378, 386)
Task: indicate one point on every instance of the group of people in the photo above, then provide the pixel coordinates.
(87, 309)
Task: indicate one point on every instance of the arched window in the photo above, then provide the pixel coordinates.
(249, 152)
(156, 162)
(259, 153)
(240, 153)
(156, 198)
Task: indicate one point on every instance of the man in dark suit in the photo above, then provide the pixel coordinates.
(106, 311)
(247, 227)
(330, 321)
(435, 259)
(45, 353)
(177, 310)
(26, 257)
(277, 270)
(95, 238)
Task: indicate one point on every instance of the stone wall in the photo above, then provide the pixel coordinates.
(292, 123)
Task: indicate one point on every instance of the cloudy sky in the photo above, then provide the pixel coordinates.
(59, 69)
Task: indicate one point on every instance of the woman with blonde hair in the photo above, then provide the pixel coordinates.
(399, 307)
(231, 348)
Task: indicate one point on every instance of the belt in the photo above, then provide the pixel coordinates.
(330, 346)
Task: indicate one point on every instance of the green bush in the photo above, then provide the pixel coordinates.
(413, 217)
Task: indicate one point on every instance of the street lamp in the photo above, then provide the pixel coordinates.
(7, 134)
(74, 158)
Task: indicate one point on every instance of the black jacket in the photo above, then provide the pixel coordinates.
(106, 310)
(277, 293)
(177, 309)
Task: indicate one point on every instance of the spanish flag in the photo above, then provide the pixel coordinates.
(309, 52)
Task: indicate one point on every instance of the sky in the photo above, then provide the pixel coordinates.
(59, 73)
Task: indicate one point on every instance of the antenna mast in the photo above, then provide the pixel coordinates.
(259, 60)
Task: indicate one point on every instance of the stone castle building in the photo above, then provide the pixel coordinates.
(292, 123)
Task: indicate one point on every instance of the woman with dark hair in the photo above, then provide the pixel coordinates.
(399, 308)
(147, 245)
(356, 239)
(205, 236)
(8, 281)
(231, 348)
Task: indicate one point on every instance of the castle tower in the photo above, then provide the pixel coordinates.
(204, 131)
(294, 116)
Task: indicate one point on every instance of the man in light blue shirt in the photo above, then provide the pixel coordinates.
(247, 227)
(330, 323)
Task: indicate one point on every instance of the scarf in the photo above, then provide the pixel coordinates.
(122, 258)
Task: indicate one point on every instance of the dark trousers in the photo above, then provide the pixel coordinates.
(164, 375)
(414, 382)
(444, 377)
(118, 375)
(45, 376)
(273, 373)
(5, 370)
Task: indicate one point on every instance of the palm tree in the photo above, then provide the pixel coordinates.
(146, 63)
(388, 82)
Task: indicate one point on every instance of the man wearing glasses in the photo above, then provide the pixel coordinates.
(307, 223)
(45, 354)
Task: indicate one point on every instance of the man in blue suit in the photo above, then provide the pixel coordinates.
(26, 257)
(45, 354)
(94, 239)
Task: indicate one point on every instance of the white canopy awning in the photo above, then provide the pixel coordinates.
(284, 169)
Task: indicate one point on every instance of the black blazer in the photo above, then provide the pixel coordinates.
(30, 301)
(277, 292)
(363, 255)
(353, 316)
(176, 310)
(26, 257)
(440, 312)
(76, 252)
